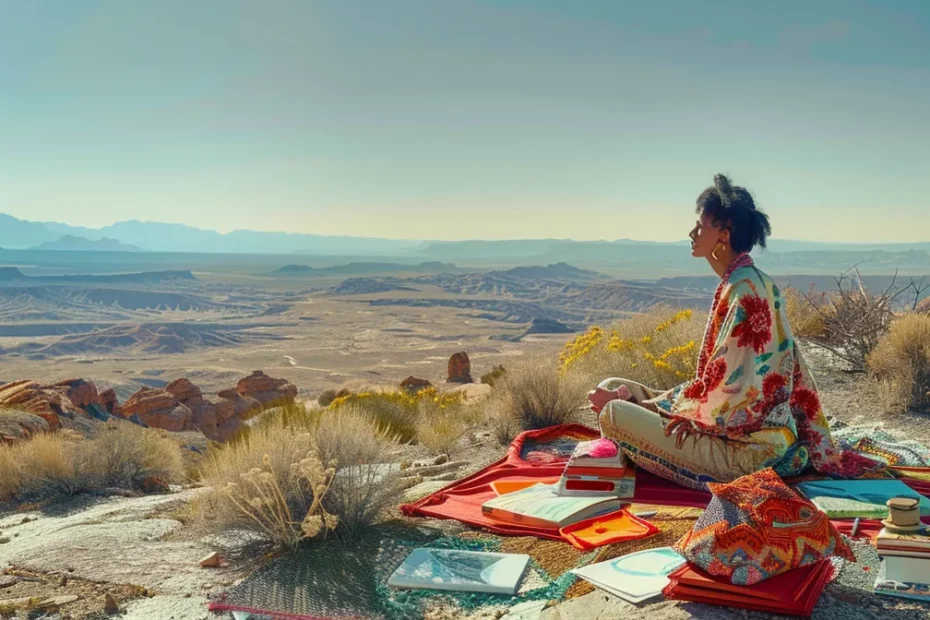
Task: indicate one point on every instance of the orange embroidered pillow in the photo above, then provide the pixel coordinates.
(757, 527)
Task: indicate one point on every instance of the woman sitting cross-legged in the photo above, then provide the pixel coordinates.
(753, 403)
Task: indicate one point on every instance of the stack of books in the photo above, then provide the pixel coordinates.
(795, 592)
(597, 468)
(905, 569)
(542, 506)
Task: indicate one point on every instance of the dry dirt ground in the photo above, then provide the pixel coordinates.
(319, 343)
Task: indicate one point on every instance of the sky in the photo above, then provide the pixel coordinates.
(479, 119)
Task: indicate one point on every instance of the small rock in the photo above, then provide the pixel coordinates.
(4, 540)
(213, 560)
(63, 581)
(439, 460)
(8, 580)
(110, 606)
(154, 484)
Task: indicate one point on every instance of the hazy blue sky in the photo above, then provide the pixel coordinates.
(467, 119)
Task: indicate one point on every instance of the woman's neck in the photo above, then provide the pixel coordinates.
(722, 265)
(726, 265)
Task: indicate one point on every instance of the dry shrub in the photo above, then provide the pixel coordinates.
(397, 413)
(10, 477)
(901, 362)
(269, 482)
(296, 415)
(440, 431)
(126, 454)
(536, 395)
(658, 349)
(494, 375)
(805, 313)
(363, 487)
(54, 465)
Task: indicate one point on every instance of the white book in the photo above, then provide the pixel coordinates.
(906, 569)
(461, 571)
(635, 577)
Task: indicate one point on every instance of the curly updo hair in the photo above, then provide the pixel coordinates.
(734, 209)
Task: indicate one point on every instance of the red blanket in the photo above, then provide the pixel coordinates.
(462, 500)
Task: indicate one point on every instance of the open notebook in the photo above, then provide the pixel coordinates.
(542, 506)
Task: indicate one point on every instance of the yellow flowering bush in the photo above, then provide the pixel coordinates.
(658, 349)
(399, 412)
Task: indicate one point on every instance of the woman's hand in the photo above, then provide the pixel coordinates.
(599, 397)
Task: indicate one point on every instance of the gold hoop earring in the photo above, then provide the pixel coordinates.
(717, 249)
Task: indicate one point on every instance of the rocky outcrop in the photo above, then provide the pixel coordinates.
(233, 404)
(81, 393)
(47, 402)
(414, 384)
(157, 408)
(267, 390)
(110, 403)
(203, 412)
(460, 368)
(179, 406)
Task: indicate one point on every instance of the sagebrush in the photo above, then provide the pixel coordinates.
(54, 465)
(534, 395)
(901, 362)
(270, 482)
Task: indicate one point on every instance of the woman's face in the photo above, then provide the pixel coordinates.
(704, 237)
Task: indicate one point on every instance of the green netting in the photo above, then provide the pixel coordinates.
(330, 579)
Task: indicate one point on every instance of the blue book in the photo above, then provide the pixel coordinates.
(845, 499)
(461, 571)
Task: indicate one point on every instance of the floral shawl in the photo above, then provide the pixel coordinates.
(752, 376)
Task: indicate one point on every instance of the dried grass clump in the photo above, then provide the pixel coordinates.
(363, 487)
(271, 482)
(901, 362)
(658, 349)
(535, 395)
(440, 431)
(805, 314)
(54, 465)
(126, 455)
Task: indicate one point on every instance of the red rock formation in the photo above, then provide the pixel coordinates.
(110, 403)
(267, 390)
(460, 368)
(158, 409)
(233, 404)
(203, 412)
(81, 393)
(46, 402)
(413, 384)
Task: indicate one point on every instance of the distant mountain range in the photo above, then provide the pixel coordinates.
(83, 244)
(160, 237)
(632, 259)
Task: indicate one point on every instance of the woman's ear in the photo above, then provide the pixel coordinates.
(725, 236)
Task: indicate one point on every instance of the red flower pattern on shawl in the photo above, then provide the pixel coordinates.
(755, 330)
(806, 401)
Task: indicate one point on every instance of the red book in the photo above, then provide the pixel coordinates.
(795, 592)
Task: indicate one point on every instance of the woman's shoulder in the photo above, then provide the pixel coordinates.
(748, 281)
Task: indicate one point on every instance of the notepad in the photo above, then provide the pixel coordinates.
(635, 577)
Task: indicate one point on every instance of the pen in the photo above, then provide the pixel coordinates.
(855, 528)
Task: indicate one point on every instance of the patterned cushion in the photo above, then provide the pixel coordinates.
(757, 527)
